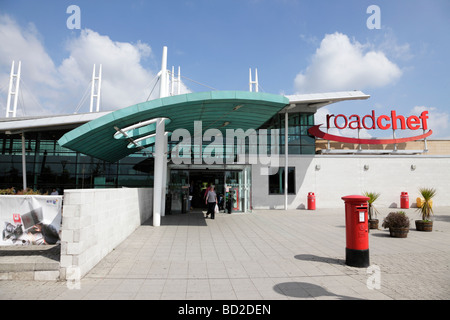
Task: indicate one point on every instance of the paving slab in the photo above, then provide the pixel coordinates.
(263, 255)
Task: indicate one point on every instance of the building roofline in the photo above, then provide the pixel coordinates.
(36, 123)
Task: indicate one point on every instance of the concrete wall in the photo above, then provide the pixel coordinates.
(95, 221)
(331, 177)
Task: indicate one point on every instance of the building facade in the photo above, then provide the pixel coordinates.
(242, 186)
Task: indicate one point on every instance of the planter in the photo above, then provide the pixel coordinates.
(424, 225)
(373, 223)
(398, 232)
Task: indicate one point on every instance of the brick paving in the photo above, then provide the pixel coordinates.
(267, 254)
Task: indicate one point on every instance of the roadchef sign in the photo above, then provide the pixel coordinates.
(372, 122)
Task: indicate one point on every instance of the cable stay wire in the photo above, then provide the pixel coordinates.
(2, 104)
(83, 98)
(199, 83)
(22, 102)
(156, 82)
(3, 89)
(262, 89)
(25, 86)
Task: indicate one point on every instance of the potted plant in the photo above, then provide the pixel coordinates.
(398, 224)
(373, 196)
(426, 209)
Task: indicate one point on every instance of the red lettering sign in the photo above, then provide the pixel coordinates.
(371, 122)
(383, 122)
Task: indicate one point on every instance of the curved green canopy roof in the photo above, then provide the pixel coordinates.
(222, 110)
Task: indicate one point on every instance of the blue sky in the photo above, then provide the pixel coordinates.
(297, 46)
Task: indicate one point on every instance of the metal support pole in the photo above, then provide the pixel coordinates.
(425, 146)
(24, 163)
(164, 176)
(393, 135)
(245, 190)
(286, 156)
(158, 171)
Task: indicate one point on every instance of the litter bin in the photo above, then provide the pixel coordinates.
(357, 231)
(404, 200)
(311, 201)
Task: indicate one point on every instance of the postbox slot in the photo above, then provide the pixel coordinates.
(361, 208)
(361, 216)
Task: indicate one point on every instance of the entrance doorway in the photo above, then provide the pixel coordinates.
(232, 188)
(199, 181)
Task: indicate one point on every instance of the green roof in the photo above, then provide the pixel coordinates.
(239, 109)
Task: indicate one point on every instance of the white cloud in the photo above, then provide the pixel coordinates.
(123, 77)
(38, 70)
(437, 121)
(24, 45)
(339, 64)
(52, 88)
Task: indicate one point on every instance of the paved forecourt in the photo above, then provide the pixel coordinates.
(267, 254)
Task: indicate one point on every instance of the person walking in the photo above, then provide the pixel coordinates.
(211, 201)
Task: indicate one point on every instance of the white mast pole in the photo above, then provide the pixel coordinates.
(250, 79)
(8, 103)
(256, 79)
(99, 85)
(96, 84)
(179, 80)
(163, 79)
(91, 107)
(250, 83)
(14, 92)
(172, 82)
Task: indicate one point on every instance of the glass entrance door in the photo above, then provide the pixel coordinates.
(232, 187)
(238, 191)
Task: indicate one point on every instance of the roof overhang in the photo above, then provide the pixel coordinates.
(217, 109)
(313, 101)
(44, 123)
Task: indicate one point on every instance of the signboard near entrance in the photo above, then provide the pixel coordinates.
(28, 220)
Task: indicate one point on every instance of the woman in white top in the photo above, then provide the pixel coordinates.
(211, 201)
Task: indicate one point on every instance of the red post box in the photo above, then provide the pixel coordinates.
(311, 201)
(404, 200)
(357, 231)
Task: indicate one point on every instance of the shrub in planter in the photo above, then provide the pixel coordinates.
(398, 224)
(9, 191)
(426, 209)
(373, 196)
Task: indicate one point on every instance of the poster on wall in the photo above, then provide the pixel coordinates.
(30, 220)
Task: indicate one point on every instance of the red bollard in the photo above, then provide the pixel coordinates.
(311, 201)
(357, 231)
(404, 200)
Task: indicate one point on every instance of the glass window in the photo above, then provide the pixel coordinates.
(276, 181)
